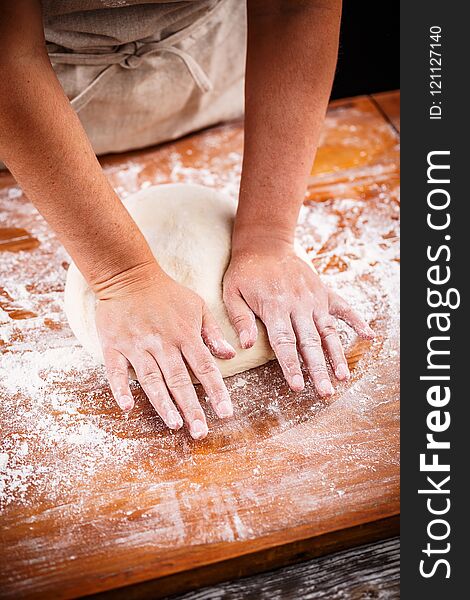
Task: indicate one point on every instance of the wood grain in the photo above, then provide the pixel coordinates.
(367, 572)
(93, 500)
(256, 562)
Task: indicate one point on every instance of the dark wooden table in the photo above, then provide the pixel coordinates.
(92, 500)
(370, 572)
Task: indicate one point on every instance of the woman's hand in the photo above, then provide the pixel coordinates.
(147, 320)
(284, 112)
(297, 309)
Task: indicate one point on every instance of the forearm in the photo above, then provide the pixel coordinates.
(291, 59)
(44, 145)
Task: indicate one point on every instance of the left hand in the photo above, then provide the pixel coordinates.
(297, 309)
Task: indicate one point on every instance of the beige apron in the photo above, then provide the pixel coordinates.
(143, 74)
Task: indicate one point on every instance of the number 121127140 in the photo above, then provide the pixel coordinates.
(435, 71)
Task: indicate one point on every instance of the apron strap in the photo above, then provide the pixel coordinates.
(202, 80)
(128, 56)
(87, 94)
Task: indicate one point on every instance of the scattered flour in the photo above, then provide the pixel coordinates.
(61, 432)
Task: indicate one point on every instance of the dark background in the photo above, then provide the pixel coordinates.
(419, 135)
(369, 51)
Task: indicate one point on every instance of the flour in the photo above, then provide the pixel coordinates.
(14, 193)
(4, 457)
(62, 434)
(240, 382)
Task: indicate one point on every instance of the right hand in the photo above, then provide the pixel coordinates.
(147, 320)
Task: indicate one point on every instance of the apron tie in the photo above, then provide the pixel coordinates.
(127, 56)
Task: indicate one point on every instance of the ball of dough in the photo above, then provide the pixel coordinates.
(188, 228)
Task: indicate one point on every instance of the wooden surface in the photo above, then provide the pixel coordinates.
(389, 104)
(364, 573)
(93, 500)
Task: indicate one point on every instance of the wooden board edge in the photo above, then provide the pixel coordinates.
(256, 562)
(380, 102)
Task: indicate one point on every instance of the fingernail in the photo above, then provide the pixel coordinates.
(342, 371)
(221, 347)
(244, 338)
(228, 346)
(298, 382)
(198, 429)
(224, 409)
(225, 349)
(325, 388)
(126, 402)
(174, 420)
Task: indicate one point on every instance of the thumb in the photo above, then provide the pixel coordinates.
(214, 338)
(242, 319)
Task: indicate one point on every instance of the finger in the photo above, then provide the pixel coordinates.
(310, 347)
(151, 380)
(214, 338)
(242, 319)
(182, 389)
(118, 376)
(326, 327)
(203, 366)
(282, 339)
(340, 309)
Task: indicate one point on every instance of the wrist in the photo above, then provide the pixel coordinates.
(265, 219)
(129, 280)
(261, 239)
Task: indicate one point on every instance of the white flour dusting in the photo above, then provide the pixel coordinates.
(62, 436)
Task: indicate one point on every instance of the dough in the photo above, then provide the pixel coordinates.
(189, 230)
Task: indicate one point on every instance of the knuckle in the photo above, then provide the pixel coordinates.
(151, 379)
(284, 340)
(318, 370)
(155, 342)
(326, 326)
(310, 342)
(190, 407)
(206, 366)
(328, 332)
(178, 379)
(239, 319)
(116, 372)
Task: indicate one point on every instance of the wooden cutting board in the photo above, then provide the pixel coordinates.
(93, 500)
